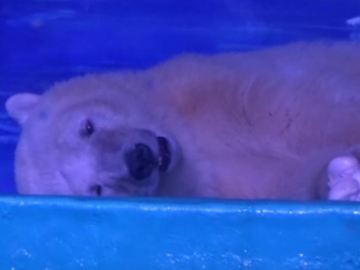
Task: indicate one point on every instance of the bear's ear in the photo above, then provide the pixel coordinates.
(19, 106)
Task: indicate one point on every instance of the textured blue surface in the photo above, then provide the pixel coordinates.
(43, 41)
(61, 233)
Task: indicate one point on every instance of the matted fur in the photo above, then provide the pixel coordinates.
(260, 124)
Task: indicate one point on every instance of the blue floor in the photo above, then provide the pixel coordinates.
(68, 233)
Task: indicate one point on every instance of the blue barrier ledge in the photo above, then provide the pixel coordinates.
(77, 233)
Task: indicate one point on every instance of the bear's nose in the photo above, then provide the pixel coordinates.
(140, 161)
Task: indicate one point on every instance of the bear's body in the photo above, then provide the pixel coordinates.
(253, 125)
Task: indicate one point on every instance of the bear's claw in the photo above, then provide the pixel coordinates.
(344, 179)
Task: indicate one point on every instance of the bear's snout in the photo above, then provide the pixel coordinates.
(140, 161)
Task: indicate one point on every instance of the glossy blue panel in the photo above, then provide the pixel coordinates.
(69, 233)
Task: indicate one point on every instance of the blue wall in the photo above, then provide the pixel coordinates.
(47, 40)
(68, 233)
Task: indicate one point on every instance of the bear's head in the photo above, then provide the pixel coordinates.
(93, 135)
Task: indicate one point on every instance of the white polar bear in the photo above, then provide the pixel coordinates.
(251, 125)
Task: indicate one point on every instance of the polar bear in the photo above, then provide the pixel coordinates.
(279, 123)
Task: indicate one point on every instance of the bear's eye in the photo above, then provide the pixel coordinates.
(88, 128)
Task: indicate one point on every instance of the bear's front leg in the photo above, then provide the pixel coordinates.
(344, 178)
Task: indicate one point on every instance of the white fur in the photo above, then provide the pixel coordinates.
(244, 125)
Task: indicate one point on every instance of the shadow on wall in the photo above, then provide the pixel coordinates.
(44, 41)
